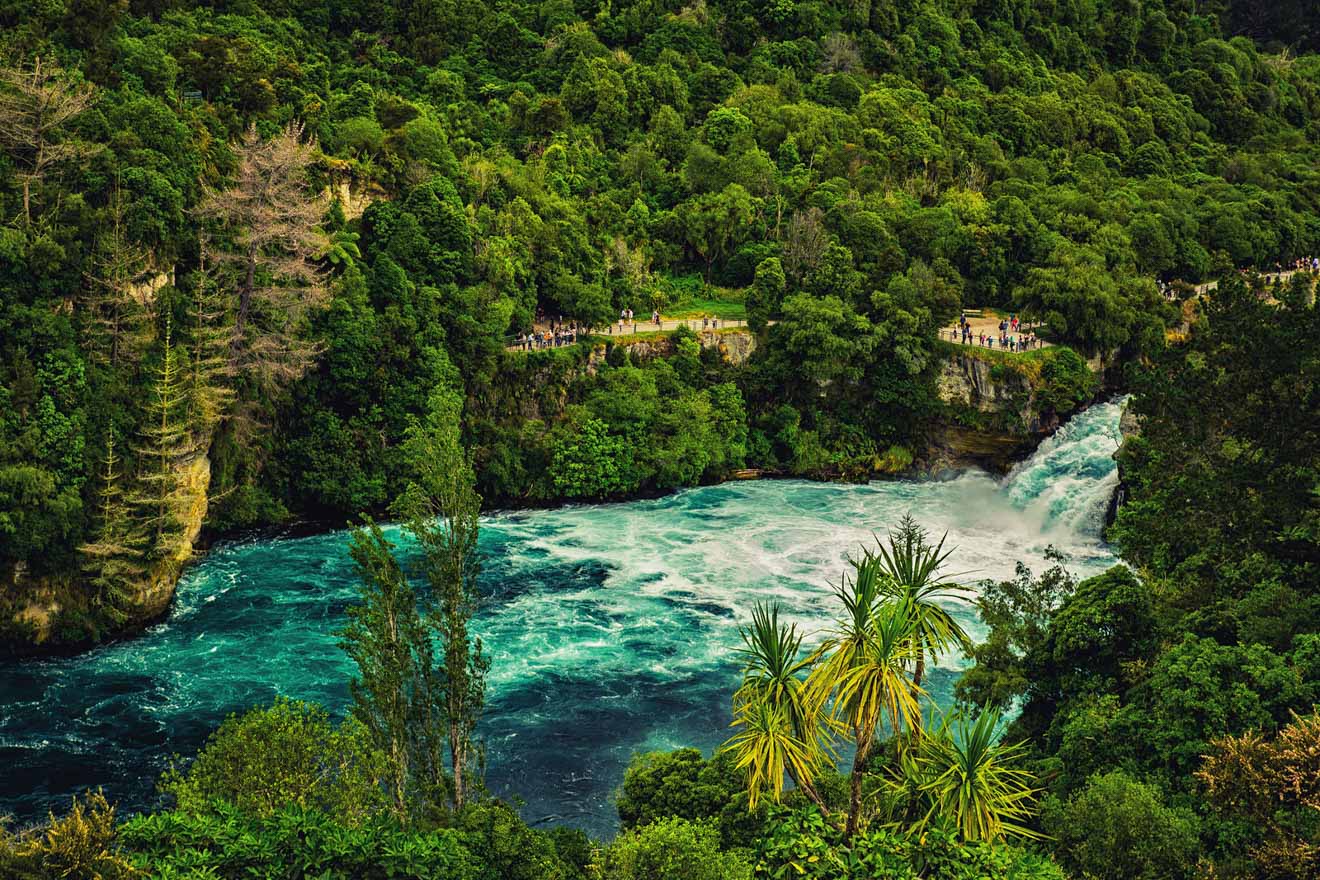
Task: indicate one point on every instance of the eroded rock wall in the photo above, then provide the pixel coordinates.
(36, 605)
(993, 414)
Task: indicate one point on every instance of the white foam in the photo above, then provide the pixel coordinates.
(677, 566)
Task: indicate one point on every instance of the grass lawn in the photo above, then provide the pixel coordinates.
(715, 308)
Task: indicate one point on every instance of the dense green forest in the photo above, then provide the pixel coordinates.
(270, 231)
(265, 247)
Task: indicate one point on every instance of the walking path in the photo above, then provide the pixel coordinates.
(1269, 277)
(632, 328)
(987, 323)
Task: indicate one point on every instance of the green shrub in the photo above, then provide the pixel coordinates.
(1066, 382)
(286, 754)
(589, 462)
(672, 849)
(510, 850)
(683, 784)
(801, 845)
(1118, 828)
(77, 846)
(293, 843)
(896, 459)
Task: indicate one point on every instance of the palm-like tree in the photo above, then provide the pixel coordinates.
(860, 670)
(965, 776)
(780, 725)
(911, 573)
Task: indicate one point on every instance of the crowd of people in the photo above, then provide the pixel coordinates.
(554, 333)
(1013, 335)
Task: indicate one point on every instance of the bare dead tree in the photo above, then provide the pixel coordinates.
(272, 217)
(118, 268)
(36, 107)
(840, 54)
(805, 242)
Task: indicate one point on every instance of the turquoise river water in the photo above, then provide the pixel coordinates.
(610, 627)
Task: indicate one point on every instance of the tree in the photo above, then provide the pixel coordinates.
(119, 267)
(1118, 828)
(160, 498)
(114, 557)
(715, 222)
(682, 783)
(388, 641)
(210, 380)
(36, 109)
(590, 462)
(1018, 614)
(912, 575)
(271, 217)
(805, 243)
(1274, 785)
(822, 340)
(859, 670)
(281, 755)
(766, 293)
(781, 732)
(1221, 480)
(442, 508)
(965, 777)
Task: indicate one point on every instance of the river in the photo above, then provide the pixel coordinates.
(610, 627)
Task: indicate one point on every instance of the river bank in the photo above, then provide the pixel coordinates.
(995, 410)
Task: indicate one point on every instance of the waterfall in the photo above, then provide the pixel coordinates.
(1069, 480)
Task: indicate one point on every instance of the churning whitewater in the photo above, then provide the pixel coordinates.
(611, 628)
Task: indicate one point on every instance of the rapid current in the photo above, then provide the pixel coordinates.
(610, 627)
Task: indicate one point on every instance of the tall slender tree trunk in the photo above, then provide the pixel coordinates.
(860, 760)
(456, 662)
(458, 753)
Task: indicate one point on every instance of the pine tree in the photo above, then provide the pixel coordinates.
(210, 389)
(167, 443)
(119, 319)
(115, 558)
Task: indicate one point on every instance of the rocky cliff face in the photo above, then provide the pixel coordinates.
(734, 346)
(37, 606)
(1129, 427)
(971, 382)
(541, 391)
(993, 415)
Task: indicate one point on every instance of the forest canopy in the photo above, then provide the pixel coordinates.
(266, 232)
